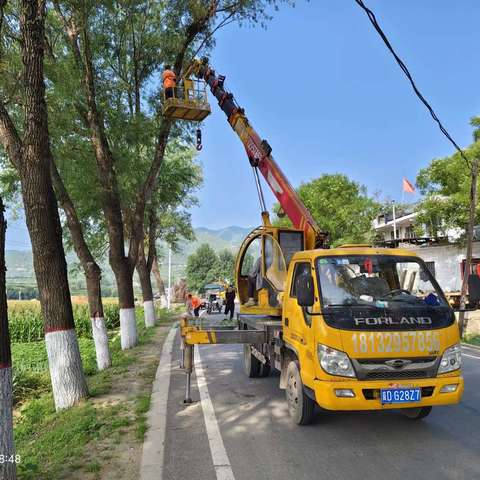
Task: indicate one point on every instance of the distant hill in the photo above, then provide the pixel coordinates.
(229, 238)
(20, 263)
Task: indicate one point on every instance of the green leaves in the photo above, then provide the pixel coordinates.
(205, 266)
(200, 267)
(340, 206)
(445, 184)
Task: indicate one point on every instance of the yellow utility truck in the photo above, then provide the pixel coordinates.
(356, 327)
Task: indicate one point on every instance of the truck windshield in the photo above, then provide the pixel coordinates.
(377, 281)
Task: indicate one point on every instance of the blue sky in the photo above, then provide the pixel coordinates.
(320, 86)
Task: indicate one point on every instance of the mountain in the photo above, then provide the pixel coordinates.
(234, 235)
(229, 238)
(20, 262)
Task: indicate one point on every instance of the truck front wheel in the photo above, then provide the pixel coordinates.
(416, 413)
(251, 364)
(300, 406)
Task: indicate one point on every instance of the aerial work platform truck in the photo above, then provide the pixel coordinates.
(356, 327)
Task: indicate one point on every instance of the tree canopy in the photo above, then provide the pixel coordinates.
(340, 206)
(445, 185)
(206, 266)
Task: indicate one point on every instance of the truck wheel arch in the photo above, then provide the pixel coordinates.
(289, 354)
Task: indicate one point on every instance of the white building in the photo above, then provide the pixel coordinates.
(444, 258)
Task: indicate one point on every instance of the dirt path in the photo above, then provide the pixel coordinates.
(118, 455)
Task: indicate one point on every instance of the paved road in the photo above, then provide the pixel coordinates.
(262, 443)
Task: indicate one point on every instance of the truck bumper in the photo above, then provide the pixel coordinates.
(367, 394)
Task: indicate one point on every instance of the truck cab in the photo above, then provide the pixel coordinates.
(367, 329)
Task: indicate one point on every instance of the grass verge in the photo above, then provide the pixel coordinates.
(66, 444)
(472, 340)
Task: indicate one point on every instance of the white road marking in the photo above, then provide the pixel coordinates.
(470, 356)
(471, 349)
(154, 444)
(220, 459)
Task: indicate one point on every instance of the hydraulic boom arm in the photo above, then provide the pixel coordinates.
(259, 155)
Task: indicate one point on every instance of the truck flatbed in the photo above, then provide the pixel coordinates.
(270, 325)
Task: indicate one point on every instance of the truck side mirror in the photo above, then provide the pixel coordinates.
(473, 290)
(305, 290)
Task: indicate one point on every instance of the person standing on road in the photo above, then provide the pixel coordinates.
(196, 305)
(230, 300)
(193, 305)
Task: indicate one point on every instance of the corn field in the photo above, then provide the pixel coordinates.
(26, 323)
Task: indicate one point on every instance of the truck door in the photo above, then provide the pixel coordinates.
(297, 323)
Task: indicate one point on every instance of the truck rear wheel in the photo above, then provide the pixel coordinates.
(252, 365)
(300, 406)
(416, 413)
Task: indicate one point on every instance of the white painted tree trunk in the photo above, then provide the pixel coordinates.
(7, 447)
(149, 312)
(66, 371)
(100, 338)
(128, 328)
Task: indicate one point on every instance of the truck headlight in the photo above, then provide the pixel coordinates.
(451, 359)
(334, 361)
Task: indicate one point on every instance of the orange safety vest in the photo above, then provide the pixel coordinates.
(169, 79)
(195, 302)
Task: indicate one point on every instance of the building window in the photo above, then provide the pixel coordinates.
(431, 267)
(410, 232)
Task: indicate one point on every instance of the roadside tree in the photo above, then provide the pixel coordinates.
(445, 186)
(167, 215)
(7, 447)
(340, 206)
(225, 266)
(118, 50)
(28, 148)
(201, 267)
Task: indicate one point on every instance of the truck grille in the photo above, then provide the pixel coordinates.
(382, 368)
(396, 375)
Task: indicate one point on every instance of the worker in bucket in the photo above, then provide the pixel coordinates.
(169, 81)
(230, 300)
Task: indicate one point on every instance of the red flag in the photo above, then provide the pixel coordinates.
(407, 186)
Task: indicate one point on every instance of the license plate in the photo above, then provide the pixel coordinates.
(400, 395)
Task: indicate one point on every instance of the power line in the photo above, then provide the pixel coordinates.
(401, 64)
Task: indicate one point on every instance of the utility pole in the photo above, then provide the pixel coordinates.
(462, 321)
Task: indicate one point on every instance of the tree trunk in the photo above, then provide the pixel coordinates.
(147, 291)
(160, 283)
(463, 321)
(7, 447)
(43, 221)
(122, 265)
(99, 330)
(90, 268)
(126, 298)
